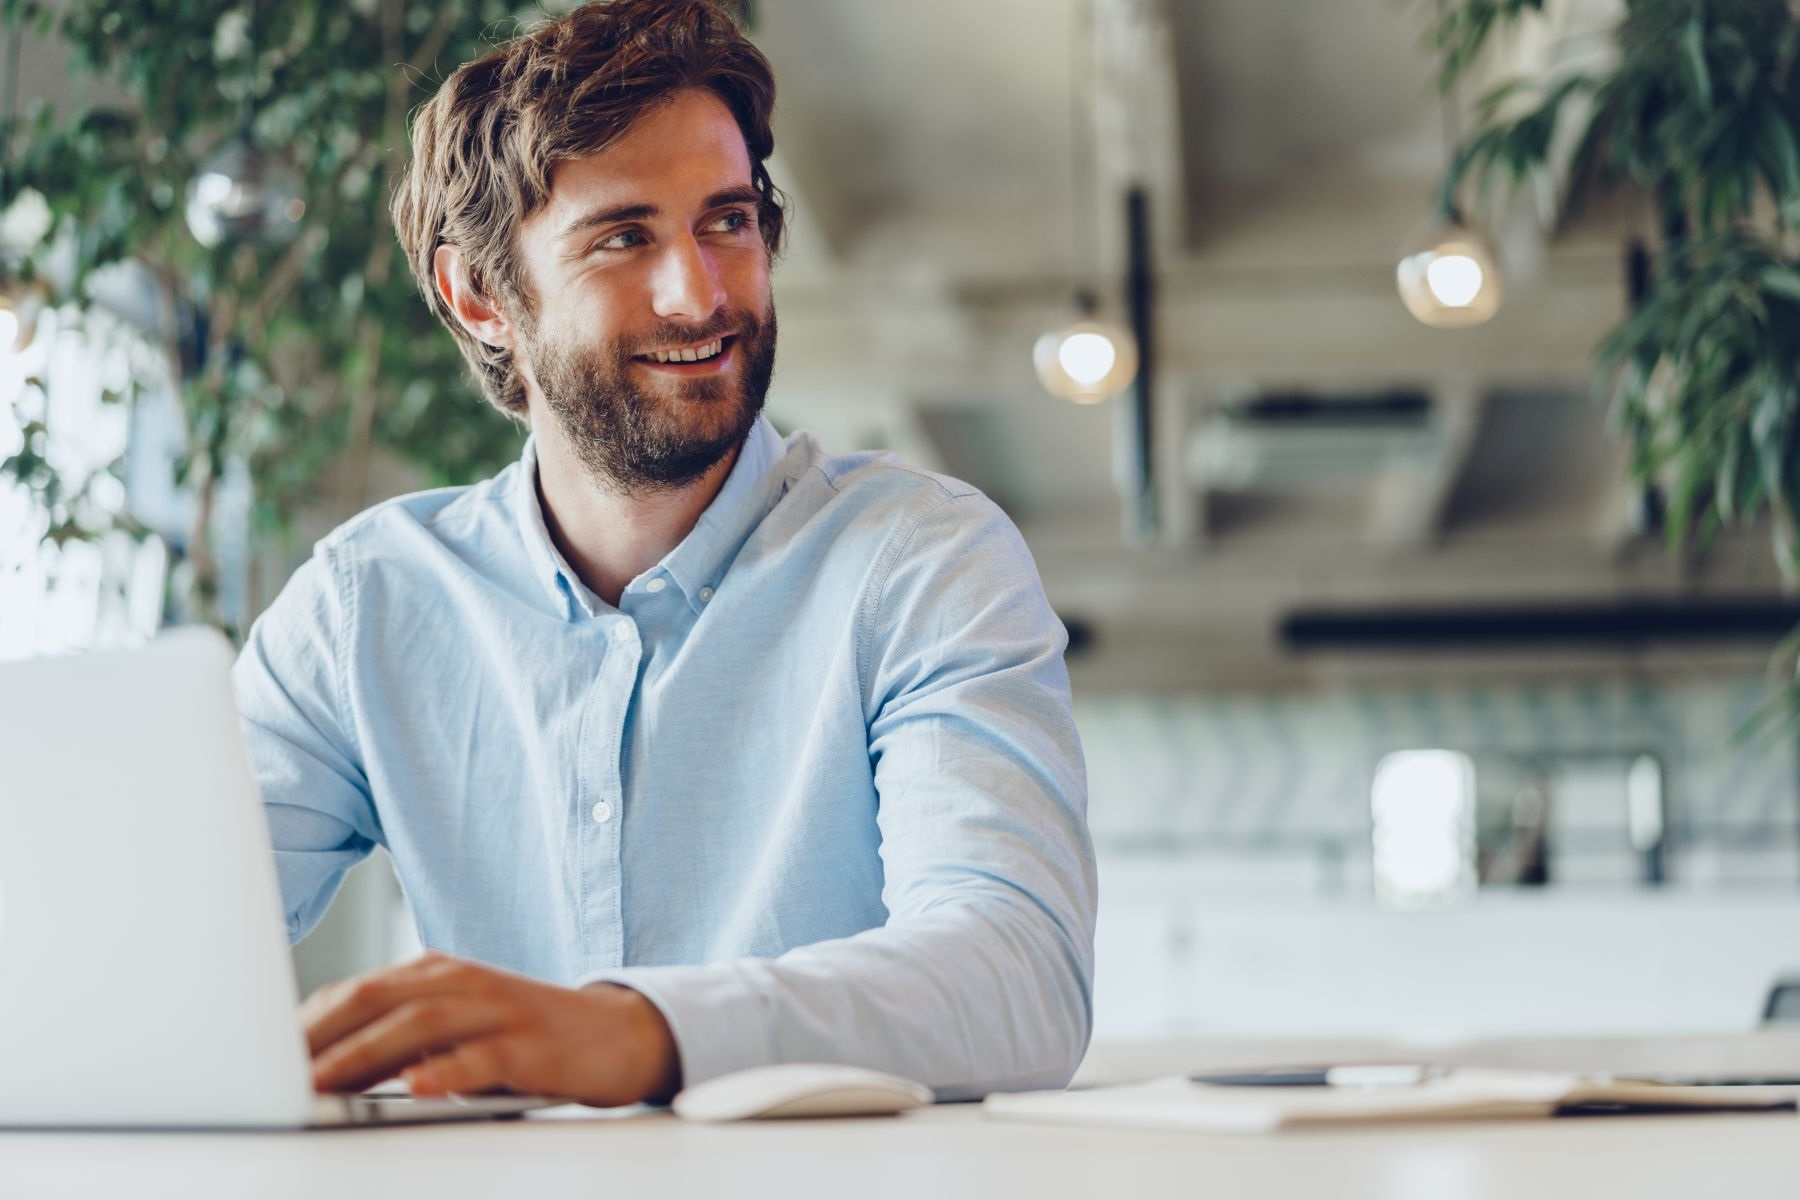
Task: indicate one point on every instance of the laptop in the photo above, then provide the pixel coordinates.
(145, 979)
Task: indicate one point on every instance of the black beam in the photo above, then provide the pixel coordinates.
(1755, 621)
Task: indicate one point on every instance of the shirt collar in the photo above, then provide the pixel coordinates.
(547, 562)
(751, 489)
(695, 565)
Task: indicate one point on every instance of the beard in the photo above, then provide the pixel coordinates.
(635, 440)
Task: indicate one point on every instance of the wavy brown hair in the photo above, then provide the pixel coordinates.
(484, 147)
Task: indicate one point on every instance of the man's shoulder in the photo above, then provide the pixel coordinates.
(445, 514)
(871, 480)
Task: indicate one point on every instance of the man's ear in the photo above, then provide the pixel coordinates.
(474, 313)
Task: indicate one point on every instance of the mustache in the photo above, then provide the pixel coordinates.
(745, 325)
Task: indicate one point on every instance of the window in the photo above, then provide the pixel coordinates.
(1423, 804)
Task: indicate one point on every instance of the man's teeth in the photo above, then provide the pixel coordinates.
(691, 354)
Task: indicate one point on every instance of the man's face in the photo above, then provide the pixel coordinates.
(653, 336)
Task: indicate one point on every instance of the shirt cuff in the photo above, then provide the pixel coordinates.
(718, 1018)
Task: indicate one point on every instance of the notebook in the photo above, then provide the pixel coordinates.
(1467, 1094)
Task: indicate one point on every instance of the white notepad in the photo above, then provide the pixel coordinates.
(1177, 1103)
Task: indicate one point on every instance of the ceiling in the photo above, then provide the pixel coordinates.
(946, 198)
(939, 152)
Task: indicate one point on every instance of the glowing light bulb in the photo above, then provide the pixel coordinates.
(1086, 362)
(1448, 277)
(1455, 279)
(1087, 357)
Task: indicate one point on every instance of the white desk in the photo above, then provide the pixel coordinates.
(937, 1154)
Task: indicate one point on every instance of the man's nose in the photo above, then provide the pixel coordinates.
(687, 285)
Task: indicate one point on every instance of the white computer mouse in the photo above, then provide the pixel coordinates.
(800, 1090)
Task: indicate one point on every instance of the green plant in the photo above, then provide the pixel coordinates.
(297, 356)
(1697, 108)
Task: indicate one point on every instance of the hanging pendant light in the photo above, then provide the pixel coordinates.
(1089, 360)
(1448, 274)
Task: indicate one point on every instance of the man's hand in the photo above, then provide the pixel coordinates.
(448, 1025)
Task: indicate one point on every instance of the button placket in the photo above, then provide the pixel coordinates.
(619, 680)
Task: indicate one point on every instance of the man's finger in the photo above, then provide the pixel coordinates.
(415, 1029)
(337, 1010)
(478, 1066)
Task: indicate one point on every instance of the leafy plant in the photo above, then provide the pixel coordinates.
(298, 356)
(1697, 108)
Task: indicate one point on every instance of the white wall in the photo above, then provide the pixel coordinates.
(1237, 895)
(1172, 962)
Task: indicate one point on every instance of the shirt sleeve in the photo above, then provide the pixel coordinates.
(981, 980)
(289, 691)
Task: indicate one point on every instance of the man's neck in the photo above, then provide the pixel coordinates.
(607, 536)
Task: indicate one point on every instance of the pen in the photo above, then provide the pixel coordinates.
(1345, 1075)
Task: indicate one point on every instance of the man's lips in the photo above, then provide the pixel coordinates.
(718, 362)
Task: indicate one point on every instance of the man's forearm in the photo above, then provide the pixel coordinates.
(981, 993)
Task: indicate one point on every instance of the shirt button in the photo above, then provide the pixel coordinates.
(656, 585)
(621, 632)
(705, 594)
(603, 812)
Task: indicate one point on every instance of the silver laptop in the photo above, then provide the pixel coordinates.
(144, 972)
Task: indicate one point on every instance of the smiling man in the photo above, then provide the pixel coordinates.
(694, 749)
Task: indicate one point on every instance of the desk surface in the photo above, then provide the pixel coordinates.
(936, 1153)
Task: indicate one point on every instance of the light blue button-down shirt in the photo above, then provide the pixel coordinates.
(813, 787)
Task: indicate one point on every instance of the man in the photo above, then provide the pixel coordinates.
(700, 750)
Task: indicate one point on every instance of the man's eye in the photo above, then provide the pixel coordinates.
(625, 239)
(732, 221)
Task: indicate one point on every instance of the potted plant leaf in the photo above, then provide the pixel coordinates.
(295, 339)
(1695, 106)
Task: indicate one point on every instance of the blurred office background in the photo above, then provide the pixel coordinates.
(1401, 716)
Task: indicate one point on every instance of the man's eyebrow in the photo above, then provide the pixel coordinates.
(607, 216)
(743, 194)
